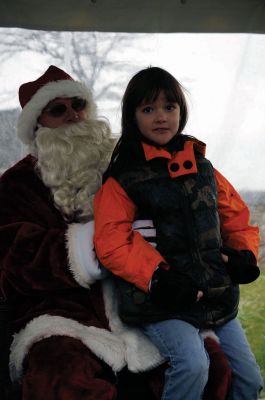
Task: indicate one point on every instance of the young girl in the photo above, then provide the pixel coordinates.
(205, 245)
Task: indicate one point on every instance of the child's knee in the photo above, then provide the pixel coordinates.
(196, 368)
(250, 384)
(199, 367)
(255, 381)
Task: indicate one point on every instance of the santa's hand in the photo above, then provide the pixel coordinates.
(146, 228)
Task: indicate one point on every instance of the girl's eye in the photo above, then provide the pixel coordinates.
(147, 109)
(170, 107)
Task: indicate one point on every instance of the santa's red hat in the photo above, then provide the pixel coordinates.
(35, 95)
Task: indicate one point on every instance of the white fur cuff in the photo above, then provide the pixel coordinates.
(82, 257)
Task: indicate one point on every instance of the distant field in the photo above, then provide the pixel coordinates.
(252, 317)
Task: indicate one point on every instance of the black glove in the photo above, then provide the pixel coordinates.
(172, 289)
(241, 265)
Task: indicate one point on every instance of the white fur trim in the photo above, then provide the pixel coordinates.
(101, 342)
(208, 333)
(141, 354)
(124, 345)
(29, 115)
(83, 262)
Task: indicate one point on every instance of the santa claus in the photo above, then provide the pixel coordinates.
(68, 341)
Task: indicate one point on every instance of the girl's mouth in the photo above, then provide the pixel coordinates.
(160, 130)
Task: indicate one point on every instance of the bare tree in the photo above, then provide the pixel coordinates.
(10, 147)
(90, 55)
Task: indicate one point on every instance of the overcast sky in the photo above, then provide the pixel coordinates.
(224, 76)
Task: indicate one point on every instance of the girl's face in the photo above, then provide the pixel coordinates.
(159, 120)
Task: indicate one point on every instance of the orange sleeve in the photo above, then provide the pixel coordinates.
(119, 248)
(235, 218)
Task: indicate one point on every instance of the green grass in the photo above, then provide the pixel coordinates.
(252, 317)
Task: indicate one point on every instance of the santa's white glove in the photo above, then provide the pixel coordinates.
(146, 228)
(82, 257)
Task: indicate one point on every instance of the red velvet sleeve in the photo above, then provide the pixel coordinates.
(33, 250)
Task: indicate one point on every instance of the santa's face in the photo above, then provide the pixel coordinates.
(61, 111)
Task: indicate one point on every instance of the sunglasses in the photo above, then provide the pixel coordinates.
(57, 110)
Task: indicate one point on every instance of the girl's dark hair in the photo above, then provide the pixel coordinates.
(144, 87)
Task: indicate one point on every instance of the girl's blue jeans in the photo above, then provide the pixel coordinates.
(186, 377)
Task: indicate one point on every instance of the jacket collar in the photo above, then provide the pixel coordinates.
(151, 152)
(181, 162)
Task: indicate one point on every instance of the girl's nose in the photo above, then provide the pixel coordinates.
(160, 116)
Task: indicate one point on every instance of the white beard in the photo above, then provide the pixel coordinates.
(71, 160)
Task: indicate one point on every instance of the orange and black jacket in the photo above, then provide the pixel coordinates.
(195, 211)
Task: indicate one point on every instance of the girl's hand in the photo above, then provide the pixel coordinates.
(241, 265)
(171, 289)
(199, 295)
(224, 257)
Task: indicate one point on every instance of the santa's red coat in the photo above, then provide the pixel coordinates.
(40, 278)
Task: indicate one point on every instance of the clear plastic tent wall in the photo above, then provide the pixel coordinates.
(223, 75)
